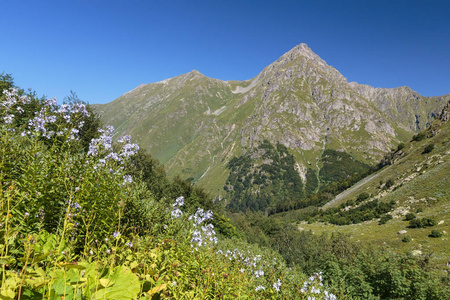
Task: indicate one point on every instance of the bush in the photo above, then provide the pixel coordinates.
(436, 234)
(389, 183)
(361, 197)
(410, 216)
(400, 146)
(428, 149)
(422, 223)
(384, 219)
(406, 239)
(418, 137)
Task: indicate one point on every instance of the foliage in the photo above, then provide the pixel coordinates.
(259, 186)
(339, 165)
(352, 269)
(419, 137)
(406, 239)
(365, 212)
(400, 146)
(436, 234)
(410, 216)
(428, 149)
(385, 218)
(422, 223)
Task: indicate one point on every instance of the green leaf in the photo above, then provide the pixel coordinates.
(72, 266)
(6, 260)
(123, 284)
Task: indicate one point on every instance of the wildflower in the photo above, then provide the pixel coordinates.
(277, 285)
(174, 283)
(26, 215)
(129, 244)
(129, 150)
(259, 273)
(112, 156)
(50, 102)
(124, 139)
(176, 213)
(259, 287)
(179, 201)
(116, 234)
(8, 119)
(74, 134)
(91, 252)
(108, 251)
(127, 179)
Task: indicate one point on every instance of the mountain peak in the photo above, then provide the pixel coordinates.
(302, 50)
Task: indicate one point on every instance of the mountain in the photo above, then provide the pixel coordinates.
(196, 125)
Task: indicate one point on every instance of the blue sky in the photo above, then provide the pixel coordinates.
(102, 49)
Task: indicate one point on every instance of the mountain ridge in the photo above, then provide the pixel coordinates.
(195, 124)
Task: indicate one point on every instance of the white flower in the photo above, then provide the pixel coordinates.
(259, 287)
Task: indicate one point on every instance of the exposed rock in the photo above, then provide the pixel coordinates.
(402, 232)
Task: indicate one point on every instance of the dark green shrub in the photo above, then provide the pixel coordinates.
(406, 239)
(384, 219)
(389, 183)
(428, 149)
(418, 137)
(419, 210)
(400, 146)
(410, 216)
(422, 223)
(436, 234)
(361, 197)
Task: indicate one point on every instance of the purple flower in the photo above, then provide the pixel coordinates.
(127, 179)
(179, 201)
(116, 234)
(124, 139)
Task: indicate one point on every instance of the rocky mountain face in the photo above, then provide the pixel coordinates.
(195, 125)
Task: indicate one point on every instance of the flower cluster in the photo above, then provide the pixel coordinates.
(102, 147)
(315, 286)
(176, 211)
(43, 120)
(253, 264)
(277, 285)
(203, 234)
(12, 104)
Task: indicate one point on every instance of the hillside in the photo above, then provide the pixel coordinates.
(416, 179)
(195, 125)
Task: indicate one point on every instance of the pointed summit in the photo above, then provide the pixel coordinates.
(303, 50)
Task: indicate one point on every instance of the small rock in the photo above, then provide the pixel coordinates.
(416, 252)
(402, 232)
(441, 222)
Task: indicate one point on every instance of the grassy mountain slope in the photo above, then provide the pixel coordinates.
(195, 125)
(418, 182)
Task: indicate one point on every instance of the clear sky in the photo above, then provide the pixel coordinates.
(104, 48)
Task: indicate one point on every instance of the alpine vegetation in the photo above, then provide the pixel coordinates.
(86, 215)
